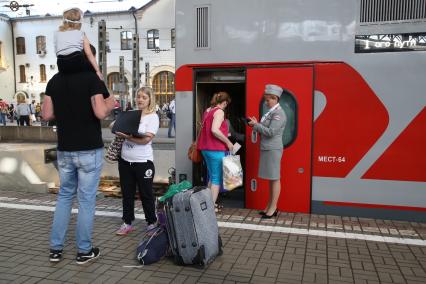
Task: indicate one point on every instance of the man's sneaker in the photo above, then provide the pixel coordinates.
(83, 258)
(55, 255)
(125, 229)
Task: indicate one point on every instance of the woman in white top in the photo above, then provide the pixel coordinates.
(136, 167)
(72, 46)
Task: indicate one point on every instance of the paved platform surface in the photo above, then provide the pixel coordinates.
(293, 248)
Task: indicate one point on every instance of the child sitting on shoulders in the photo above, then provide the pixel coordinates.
(72, 46)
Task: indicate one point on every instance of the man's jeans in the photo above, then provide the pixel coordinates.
(79, 173)
(172, 125)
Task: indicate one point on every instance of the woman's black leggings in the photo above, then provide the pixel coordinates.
(140, 175)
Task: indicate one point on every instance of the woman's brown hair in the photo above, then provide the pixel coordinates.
(71, 21)
(219, 98)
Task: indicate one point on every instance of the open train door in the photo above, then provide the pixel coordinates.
(297, 102)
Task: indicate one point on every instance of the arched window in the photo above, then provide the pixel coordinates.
(20, 45)
(42, 73)
(41, 44)
(22, 76)
(126, 40)
(164, 87)
(113, 82)
(153, 39)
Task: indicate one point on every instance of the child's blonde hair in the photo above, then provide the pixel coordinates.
(71, 19)
(148, 91)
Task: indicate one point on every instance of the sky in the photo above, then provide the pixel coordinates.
(56, 7)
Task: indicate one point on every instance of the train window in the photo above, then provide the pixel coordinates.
(289, 105)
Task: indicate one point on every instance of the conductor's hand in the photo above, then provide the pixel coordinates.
(253, 121)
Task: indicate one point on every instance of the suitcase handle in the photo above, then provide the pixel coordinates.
(198, 188)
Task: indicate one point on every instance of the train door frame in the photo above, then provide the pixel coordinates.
(241, 82)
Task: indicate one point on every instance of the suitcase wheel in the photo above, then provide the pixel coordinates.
(220, 246)
(200, 257)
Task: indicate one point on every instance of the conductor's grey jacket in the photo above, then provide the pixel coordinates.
(271, 130)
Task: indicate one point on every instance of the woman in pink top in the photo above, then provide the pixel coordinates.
(213, 141)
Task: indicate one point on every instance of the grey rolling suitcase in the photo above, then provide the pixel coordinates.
(192, 227)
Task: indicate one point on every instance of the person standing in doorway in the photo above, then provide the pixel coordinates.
(172, 110)
(213, 141)
(271, 129)
(77, 102)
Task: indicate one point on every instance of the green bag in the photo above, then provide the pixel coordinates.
(175, 188)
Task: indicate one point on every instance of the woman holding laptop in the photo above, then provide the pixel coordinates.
(136, 167)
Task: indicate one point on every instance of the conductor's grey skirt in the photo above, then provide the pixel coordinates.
(270, 164)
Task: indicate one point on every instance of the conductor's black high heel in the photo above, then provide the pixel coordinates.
(264, 216)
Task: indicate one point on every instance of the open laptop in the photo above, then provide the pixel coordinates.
(127, 122)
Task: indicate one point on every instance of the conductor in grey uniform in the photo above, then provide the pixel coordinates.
(271, 128)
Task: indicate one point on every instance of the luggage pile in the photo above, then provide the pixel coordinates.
(189, 219)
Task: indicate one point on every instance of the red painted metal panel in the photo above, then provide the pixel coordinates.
(184, 79)
(296, 162)
(405, 159)
(352, 121)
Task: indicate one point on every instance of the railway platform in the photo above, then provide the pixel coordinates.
(292, 248)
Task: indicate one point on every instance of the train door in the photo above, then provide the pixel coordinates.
(297, 101)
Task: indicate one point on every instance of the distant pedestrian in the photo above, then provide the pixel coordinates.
(33, 111)
(38, 111)
(23, 110)
(77, 101)
(172, 123)
(3, 112)
(11, 113)
(129, 106)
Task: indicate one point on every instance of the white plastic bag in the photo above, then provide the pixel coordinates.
(232, 172)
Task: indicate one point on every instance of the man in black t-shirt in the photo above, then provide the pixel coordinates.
(77, 102)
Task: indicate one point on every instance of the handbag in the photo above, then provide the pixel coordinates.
(113, 152)
(193, 153)
(153, 247)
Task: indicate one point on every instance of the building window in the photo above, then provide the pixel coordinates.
(20, 45)
(164, 87)
(42, 73)
(113, 81)
(126, 40)
(153, 37)
(22, 77)
(173, 37)
(41, 44)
